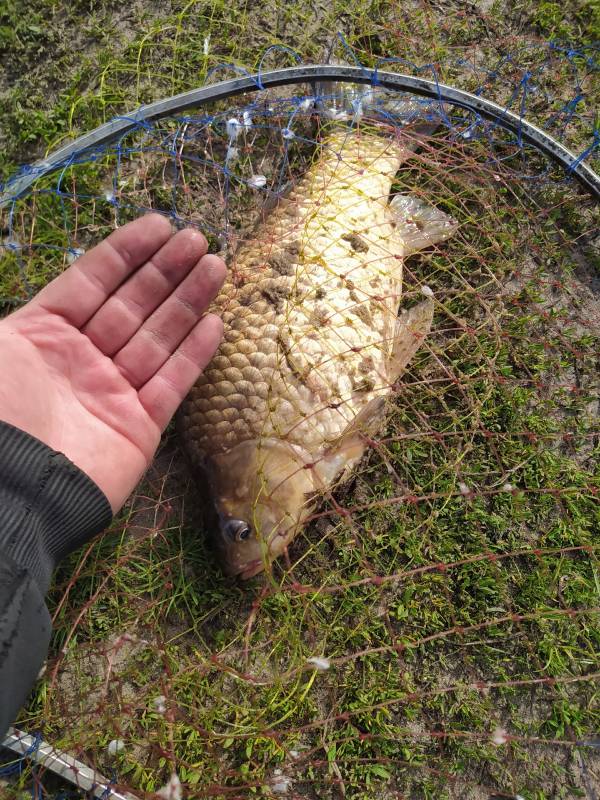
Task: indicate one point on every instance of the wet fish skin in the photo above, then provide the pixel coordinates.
(312, 345)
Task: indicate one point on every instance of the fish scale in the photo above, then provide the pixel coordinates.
(313, 292)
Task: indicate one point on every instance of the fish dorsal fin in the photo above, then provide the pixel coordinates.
(412, 327)
(418, 224)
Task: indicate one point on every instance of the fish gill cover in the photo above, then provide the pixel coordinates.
(432, 627)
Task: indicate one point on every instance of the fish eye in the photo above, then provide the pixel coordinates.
(243, 533)
(237, 529)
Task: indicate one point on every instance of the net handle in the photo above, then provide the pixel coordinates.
(62, 764)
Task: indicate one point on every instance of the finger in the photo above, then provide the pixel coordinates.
(161, 334)
(80, 291)
(163, 393)
(117, 320)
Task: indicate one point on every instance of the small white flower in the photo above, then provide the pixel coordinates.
(427, 291)
(109, 196)
(115, 746)
(232, 153)
(233, 128)
(172, 789)
(508, 487)
(319, 663)
(257, 181)
(464, 489)
(287, 133)
(159, 703)
(281, 783)
(247, 119)
(499, 736)
(206, 46)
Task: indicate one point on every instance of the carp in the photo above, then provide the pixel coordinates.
(313, 344)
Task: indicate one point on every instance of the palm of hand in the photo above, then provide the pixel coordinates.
(98, 362)
(72, 397)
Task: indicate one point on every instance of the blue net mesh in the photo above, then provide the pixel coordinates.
(434, 629)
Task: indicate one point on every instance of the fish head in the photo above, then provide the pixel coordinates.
(262, 493)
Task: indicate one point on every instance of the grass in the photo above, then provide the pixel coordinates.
(461, 622)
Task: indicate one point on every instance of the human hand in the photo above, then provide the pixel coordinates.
(97, 363)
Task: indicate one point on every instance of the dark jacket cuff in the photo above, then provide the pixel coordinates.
(49, 506)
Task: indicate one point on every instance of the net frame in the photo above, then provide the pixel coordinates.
(576, 163)
(480, 106)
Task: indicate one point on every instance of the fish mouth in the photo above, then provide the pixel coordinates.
(251, 569)
(235, 567)
(275, 549)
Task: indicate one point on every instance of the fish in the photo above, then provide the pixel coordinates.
(313, 345)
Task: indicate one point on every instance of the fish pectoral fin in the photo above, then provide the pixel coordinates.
(418, 224)
(341, 456)
(273, 199)
(412, 327)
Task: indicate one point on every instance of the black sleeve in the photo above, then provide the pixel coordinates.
(48, 508)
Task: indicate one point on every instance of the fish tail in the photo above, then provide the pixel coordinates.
(349, 109)
(352, 103)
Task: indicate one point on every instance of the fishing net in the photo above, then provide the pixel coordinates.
(433, 631)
